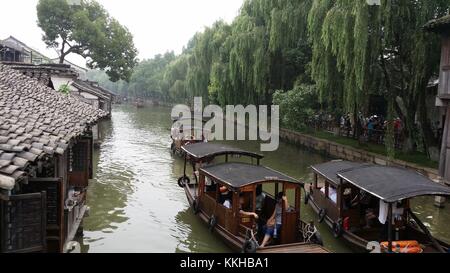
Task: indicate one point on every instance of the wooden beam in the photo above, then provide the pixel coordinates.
(49, 179)
(443, 163)
(389, 228)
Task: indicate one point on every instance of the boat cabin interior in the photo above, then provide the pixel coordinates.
(243, 201)
(360, 200)
(234, 192)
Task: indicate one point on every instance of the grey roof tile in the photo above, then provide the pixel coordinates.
(35, 120)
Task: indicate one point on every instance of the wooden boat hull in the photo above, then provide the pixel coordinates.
(235, 243)
(356, 242)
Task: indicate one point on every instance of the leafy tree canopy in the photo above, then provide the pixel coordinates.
(88, 30)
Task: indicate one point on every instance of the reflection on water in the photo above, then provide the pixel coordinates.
(435, 219)
(193, 236)
(136, 205)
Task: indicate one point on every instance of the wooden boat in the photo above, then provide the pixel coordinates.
(139, 103)
(242, 180)
(187, 134)
(347, 195)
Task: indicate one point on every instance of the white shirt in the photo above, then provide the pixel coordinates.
(208, 181)
(397, 213)
(384, 210)
(332, 194)
(227, 204)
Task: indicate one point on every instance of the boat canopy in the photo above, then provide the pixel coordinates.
(204, 150)
(330, 169)
(392, 184)
(238, 175)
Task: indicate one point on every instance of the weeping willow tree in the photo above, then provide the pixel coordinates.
(348, 49)
(175, 78)
(409, 58)
(266, 49)
(360, 49)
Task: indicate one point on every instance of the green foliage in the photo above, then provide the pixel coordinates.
(347, 49)
(297, 106)
(64, 89)
(360, 50)
(265, 49)
(89, 31)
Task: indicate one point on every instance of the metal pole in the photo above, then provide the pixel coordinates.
(390, 228)
(195, 175)
(185, 163)
(442, 162)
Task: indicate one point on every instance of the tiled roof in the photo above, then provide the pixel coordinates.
(36, 122)
(43, 72)
(440, 25)
(86, 86)
(104, 90)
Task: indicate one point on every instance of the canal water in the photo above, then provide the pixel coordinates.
(137, 206)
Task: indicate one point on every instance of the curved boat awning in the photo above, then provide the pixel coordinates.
(203, 150)
(330, 169)
(238, 175)
(392, 184)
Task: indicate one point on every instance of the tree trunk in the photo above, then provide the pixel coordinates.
(63, 54)
(408, 130)
(430, 139)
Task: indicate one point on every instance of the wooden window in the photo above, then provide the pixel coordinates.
(54, 208)
(23, 223)
(79, 158)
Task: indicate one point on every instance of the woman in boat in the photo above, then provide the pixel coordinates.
(275, 222)
(226, 197)
(242, 211)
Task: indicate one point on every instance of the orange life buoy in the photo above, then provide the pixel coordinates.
(412, 250)
(410, 247)
(401, 244)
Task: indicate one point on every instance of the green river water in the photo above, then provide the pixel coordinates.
(136, 205)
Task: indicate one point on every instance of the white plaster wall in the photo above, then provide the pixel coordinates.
(59, 81)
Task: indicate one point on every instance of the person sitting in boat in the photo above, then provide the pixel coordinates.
(211, 186)
(275, 222)
(332, 193)
(260, 199)
(225, 197)
(366, 204)
(244, 213)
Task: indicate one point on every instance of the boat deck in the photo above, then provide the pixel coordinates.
(294, 248)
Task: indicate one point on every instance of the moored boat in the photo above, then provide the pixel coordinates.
(237, 199)
(369, 206)
(187, 132)
(139, 103)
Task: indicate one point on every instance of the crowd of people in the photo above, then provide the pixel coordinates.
(371, 129)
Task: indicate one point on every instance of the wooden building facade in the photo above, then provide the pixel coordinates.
(442, 27)
(98, 97)
(46, 148)
(14, 50)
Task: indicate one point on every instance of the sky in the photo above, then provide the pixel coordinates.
(158, 26)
